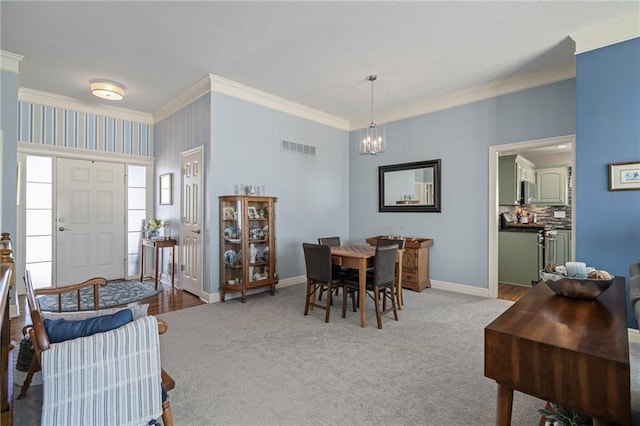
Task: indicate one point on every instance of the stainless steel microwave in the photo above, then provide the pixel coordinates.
(527, 192)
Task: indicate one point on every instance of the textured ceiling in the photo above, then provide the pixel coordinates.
(314, 53)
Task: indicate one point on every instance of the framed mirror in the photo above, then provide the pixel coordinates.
(409, 187)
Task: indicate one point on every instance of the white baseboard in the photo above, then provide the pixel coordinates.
(634, 335)
(286, 282)
(14, 311)
(460, 288)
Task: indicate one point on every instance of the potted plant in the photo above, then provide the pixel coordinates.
(560, 416)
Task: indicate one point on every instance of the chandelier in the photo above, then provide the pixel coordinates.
(372, 140)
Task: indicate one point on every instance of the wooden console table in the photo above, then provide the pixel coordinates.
(571, 352)
(158, 244)
(415, 262)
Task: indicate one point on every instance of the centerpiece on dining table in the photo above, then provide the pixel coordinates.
(576, 280)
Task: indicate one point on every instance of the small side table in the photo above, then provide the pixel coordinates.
(158, 244)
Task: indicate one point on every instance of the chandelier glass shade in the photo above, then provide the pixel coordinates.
(372, 139)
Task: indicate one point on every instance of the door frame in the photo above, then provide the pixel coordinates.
(493, 216)
(183, 154)
(25, 148)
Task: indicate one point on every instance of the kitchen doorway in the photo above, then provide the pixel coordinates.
(542, 150)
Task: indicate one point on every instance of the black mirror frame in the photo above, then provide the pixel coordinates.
(431, 208)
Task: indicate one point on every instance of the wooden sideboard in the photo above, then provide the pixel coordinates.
(415, 262)
(568, 351)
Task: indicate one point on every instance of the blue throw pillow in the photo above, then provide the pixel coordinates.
(61, 329)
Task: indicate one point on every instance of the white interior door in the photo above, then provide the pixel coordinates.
(89, 221)
(192, 213)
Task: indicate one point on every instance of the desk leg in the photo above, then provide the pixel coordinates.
(173, 265)
(504, 405)
(141, 261)
(362, 294)
(157, 264)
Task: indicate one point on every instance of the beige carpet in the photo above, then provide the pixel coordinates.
(264, 363)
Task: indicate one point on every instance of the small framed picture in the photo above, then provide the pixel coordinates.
(253, 213)
(624, 176)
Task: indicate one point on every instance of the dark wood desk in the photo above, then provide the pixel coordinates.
(571, 352)
(158, 244)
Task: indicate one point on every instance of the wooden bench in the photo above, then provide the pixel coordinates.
(40, 340)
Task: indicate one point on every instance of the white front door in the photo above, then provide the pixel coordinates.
(192, 215)
(89, 221)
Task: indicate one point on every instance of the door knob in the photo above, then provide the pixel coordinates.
(62, 228)
(197, 231)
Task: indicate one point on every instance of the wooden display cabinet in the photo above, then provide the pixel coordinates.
(415, 262)
(247, 244)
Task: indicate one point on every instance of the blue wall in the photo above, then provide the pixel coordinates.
(313, 192)
(187, 128)
(461, 137)
(608, 131)
(9, 126)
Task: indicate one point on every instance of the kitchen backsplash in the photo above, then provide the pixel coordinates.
(544, 214)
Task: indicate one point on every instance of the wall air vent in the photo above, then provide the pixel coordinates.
(297, 148)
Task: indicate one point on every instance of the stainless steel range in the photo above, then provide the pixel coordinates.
(547, 246)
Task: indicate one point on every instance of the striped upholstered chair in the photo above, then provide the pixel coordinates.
(107, 378)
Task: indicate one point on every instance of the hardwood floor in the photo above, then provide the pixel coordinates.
(167, 301)
(511, 292)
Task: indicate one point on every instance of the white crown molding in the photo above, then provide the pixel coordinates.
(249, 94)
(59, 101)
(622, 29)
(214, 83)
(199, 89)
(475, 94)
(10, 61)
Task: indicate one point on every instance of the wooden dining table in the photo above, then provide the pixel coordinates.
(361, 257)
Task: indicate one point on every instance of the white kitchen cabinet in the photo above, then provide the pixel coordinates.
(552, 186)
(512, 169)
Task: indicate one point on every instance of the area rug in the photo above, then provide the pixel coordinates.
(113, 294)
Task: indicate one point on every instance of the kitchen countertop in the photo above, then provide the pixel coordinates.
(526, 225)
(530, 227)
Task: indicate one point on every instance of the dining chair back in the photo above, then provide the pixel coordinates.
(390, 242)
(318, 263)
(329, 241)
(400, 243)
(338, 271)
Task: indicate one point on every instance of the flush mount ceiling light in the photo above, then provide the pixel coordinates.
(372, 139)
(107, 90)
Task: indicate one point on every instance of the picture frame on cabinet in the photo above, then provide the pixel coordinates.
(624, 176)
(252, 212)
(228, 213)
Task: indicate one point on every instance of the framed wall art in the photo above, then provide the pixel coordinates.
(166, 189)
(624, 176)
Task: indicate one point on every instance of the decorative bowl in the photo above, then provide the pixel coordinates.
(576, 288)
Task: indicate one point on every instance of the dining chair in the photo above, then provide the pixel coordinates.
(338, 271)
(380, 242)
(320, 277)
(381, 283)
